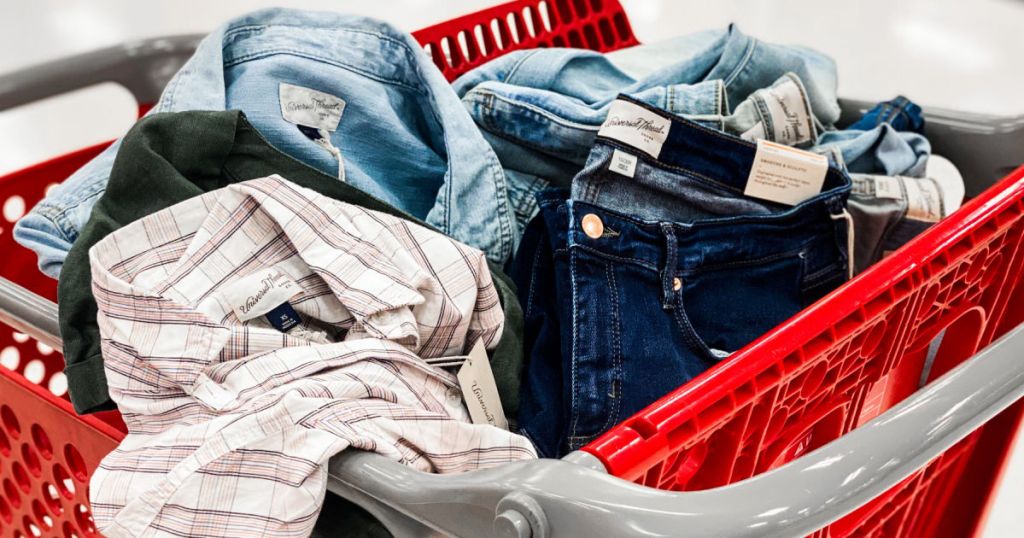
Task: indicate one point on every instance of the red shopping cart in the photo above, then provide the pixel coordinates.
(885, 409)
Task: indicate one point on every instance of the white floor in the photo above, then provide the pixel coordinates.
(941, 53)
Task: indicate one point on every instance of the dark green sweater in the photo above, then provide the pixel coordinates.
(171, 157)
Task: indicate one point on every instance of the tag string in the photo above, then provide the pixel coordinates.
(325, 142)
(845, 215)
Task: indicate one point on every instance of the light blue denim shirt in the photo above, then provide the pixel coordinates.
(541, 109)
(403, 134)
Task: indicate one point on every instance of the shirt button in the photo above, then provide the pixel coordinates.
(454, 396)
(592, 226)
(677, 284)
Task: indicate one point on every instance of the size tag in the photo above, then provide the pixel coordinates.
(888, 187)
(283, 317)
(785, 175)
(791, 119)
(258, 293)
(924, 201)
(635, 125)
(623, 163)
(303, 106)
(479, 390)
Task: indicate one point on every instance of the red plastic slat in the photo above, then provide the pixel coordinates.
(599, 25)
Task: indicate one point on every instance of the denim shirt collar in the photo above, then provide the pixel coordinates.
(453, 182)
(378, 51)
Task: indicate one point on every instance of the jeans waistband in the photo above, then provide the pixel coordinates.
(703, 153)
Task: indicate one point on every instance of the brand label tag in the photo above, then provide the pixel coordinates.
(479, 390)
(635, 125)
(790, 112)
(785, 175)
(283, 317)
(258, 293)
(623, 163)
(312, 108)
(924, 200)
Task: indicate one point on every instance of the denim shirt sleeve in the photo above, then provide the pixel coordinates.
(53, 225)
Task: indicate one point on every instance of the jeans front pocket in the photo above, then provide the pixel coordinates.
(721, 308)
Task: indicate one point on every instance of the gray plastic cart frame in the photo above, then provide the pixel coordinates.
(573, 496)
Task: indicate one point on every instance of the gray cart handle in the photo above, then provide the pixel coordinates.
(542, 498)
(574, 497)
(143, 67)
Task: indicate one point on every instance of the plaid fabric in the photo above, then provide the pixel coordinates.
(231, 423)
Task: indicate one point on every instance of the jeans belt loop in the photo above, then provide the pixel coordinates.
(668, 272)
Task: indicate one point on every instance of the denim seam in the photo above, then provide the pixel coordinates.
(689, 333)
(616, 398)
(330, 61)
(519, 63)
(766, 116)
(533, 281)
(529, 107)
(527, 205)
(700, 269)
(821, 276)
(574, 410)
(743, 63)
(58, 215)
(505, 219)
(634, 261)
(747, 263)
(250, 28)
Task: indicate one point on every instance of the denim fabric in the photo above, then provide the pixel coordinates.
(684, 271)
(900, 112)
(404, 136)
(889, 211)
(541, 109)
(880, 150)
(882, 224)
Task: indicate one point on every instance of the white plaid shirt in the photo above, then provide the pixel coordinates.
(230, 423)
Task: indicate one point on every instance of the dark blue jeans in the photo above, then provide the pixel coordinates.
(621, 310)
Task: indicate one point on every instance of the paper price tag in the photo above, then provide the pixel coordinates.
(479, 390)
(785, 175)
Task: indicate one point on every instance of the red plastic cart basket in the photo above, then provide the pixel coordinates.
(820, 375)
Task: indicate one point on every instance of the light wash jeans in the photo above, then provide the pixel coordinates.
(403, 134)
(541, 109)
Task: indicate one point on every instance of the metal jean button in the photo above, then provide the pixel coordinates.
(592, 226)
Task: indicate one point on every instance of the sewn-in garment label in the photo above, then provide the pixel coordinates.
(790, 112)
(312, 108)
(924, 200)
(258, 293)
(633, 124)
(785, 175)
(479, 390)
(623, 163)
